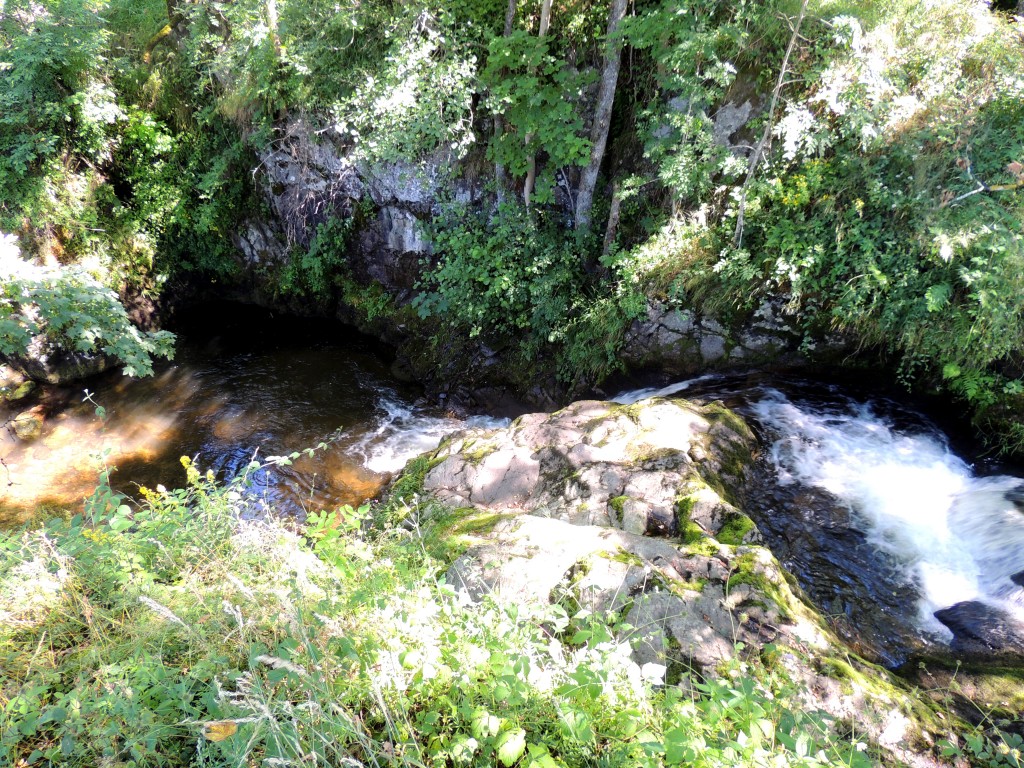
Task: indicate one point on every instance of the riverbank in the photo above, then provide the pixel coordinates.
(177, 629)
(174, 632)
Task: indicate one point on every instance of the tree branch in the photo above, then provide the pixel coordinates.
(755, 159)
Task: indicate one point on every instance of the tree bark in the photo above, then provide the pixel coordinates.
(500, 176)
(602, 115)
(272, 24)
(612, 227)
(531, 164)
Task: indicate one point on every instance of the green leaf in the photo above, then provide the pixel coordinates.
(53, 714)
(677, 746)
(484, 724)
(511, 746)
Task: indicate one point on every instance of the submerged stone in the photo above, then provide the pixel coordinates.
(14, 393)
(27, 425)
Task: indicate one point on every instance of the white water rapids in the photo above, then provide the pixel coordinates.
(956, 536)
(402, 432)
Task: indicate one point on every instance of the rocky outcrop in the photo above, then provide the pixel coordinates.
(681, 341)
(637, 510)
(664, 467)
(690, 608)
(46, 361)
(983, 632)
(583, 491)
(310, 175)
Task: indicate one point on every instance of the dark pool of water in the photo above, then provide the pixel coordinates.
(244, 386)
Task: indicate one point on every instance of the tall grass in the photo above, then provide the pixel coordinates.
(176, 631)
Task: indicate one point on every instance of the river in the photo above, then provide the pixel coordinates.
(862, 496)
(244, 386)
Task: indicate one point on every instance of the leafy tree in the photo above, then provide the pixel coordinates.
(72, 310)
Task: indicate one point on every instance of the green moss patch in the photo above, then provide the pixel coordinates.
(735, 529)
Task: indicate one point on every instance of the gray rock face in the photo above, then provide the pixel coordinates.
(597, 480)
(45, 362)
(681, 603)
(984, 631)
(310, 174)
(655, 467)
(682, 342)
(729, 118)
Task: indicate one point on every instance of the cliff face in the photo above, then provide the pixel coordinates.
(310, 176)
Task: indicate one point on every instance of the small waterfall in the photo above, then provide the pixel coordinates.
(636, 395)
(955, 536)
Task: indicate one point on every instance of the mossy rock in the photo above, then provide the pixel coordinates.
(15, 393)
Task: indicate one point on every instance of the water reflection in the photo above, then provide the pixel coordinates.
(261, 387)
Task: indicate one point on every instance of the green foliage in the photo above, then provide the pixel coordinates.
(517, 279)
(996, 750)
(96, 687)
(74, 311)
(869, 236)
(698, 51)
(885, 207)
(420, 100)
(539, 96)
(311, 271)
(137, 628)
(508, 276)
(49, 92)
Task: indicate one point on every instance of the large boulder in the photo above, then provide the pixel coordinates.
(636, 511)
(47, 362)
(688, 607)
(660, 467)
(985, 632)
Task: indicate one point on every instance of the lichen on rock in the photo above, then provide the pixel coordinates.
(598, 463)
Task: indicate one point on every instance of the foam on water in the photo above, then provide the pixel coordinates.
(404, 431)
(956, 536)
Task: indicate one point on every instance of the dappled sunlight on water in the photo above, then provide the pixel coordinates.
(60, 468)
(240, 396)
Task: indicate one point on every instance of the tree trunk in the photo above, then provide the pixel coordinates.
(612, 227)
(500, 177)
(275, 38)
(602, 115)
(531, 164)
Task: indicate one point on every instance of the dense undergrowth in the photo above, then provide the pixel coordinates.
(875, 188)
(176, 631)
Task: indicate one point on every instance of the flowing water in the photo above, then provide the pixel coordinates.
(861, 497)
(868, 504)
(243, 386)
